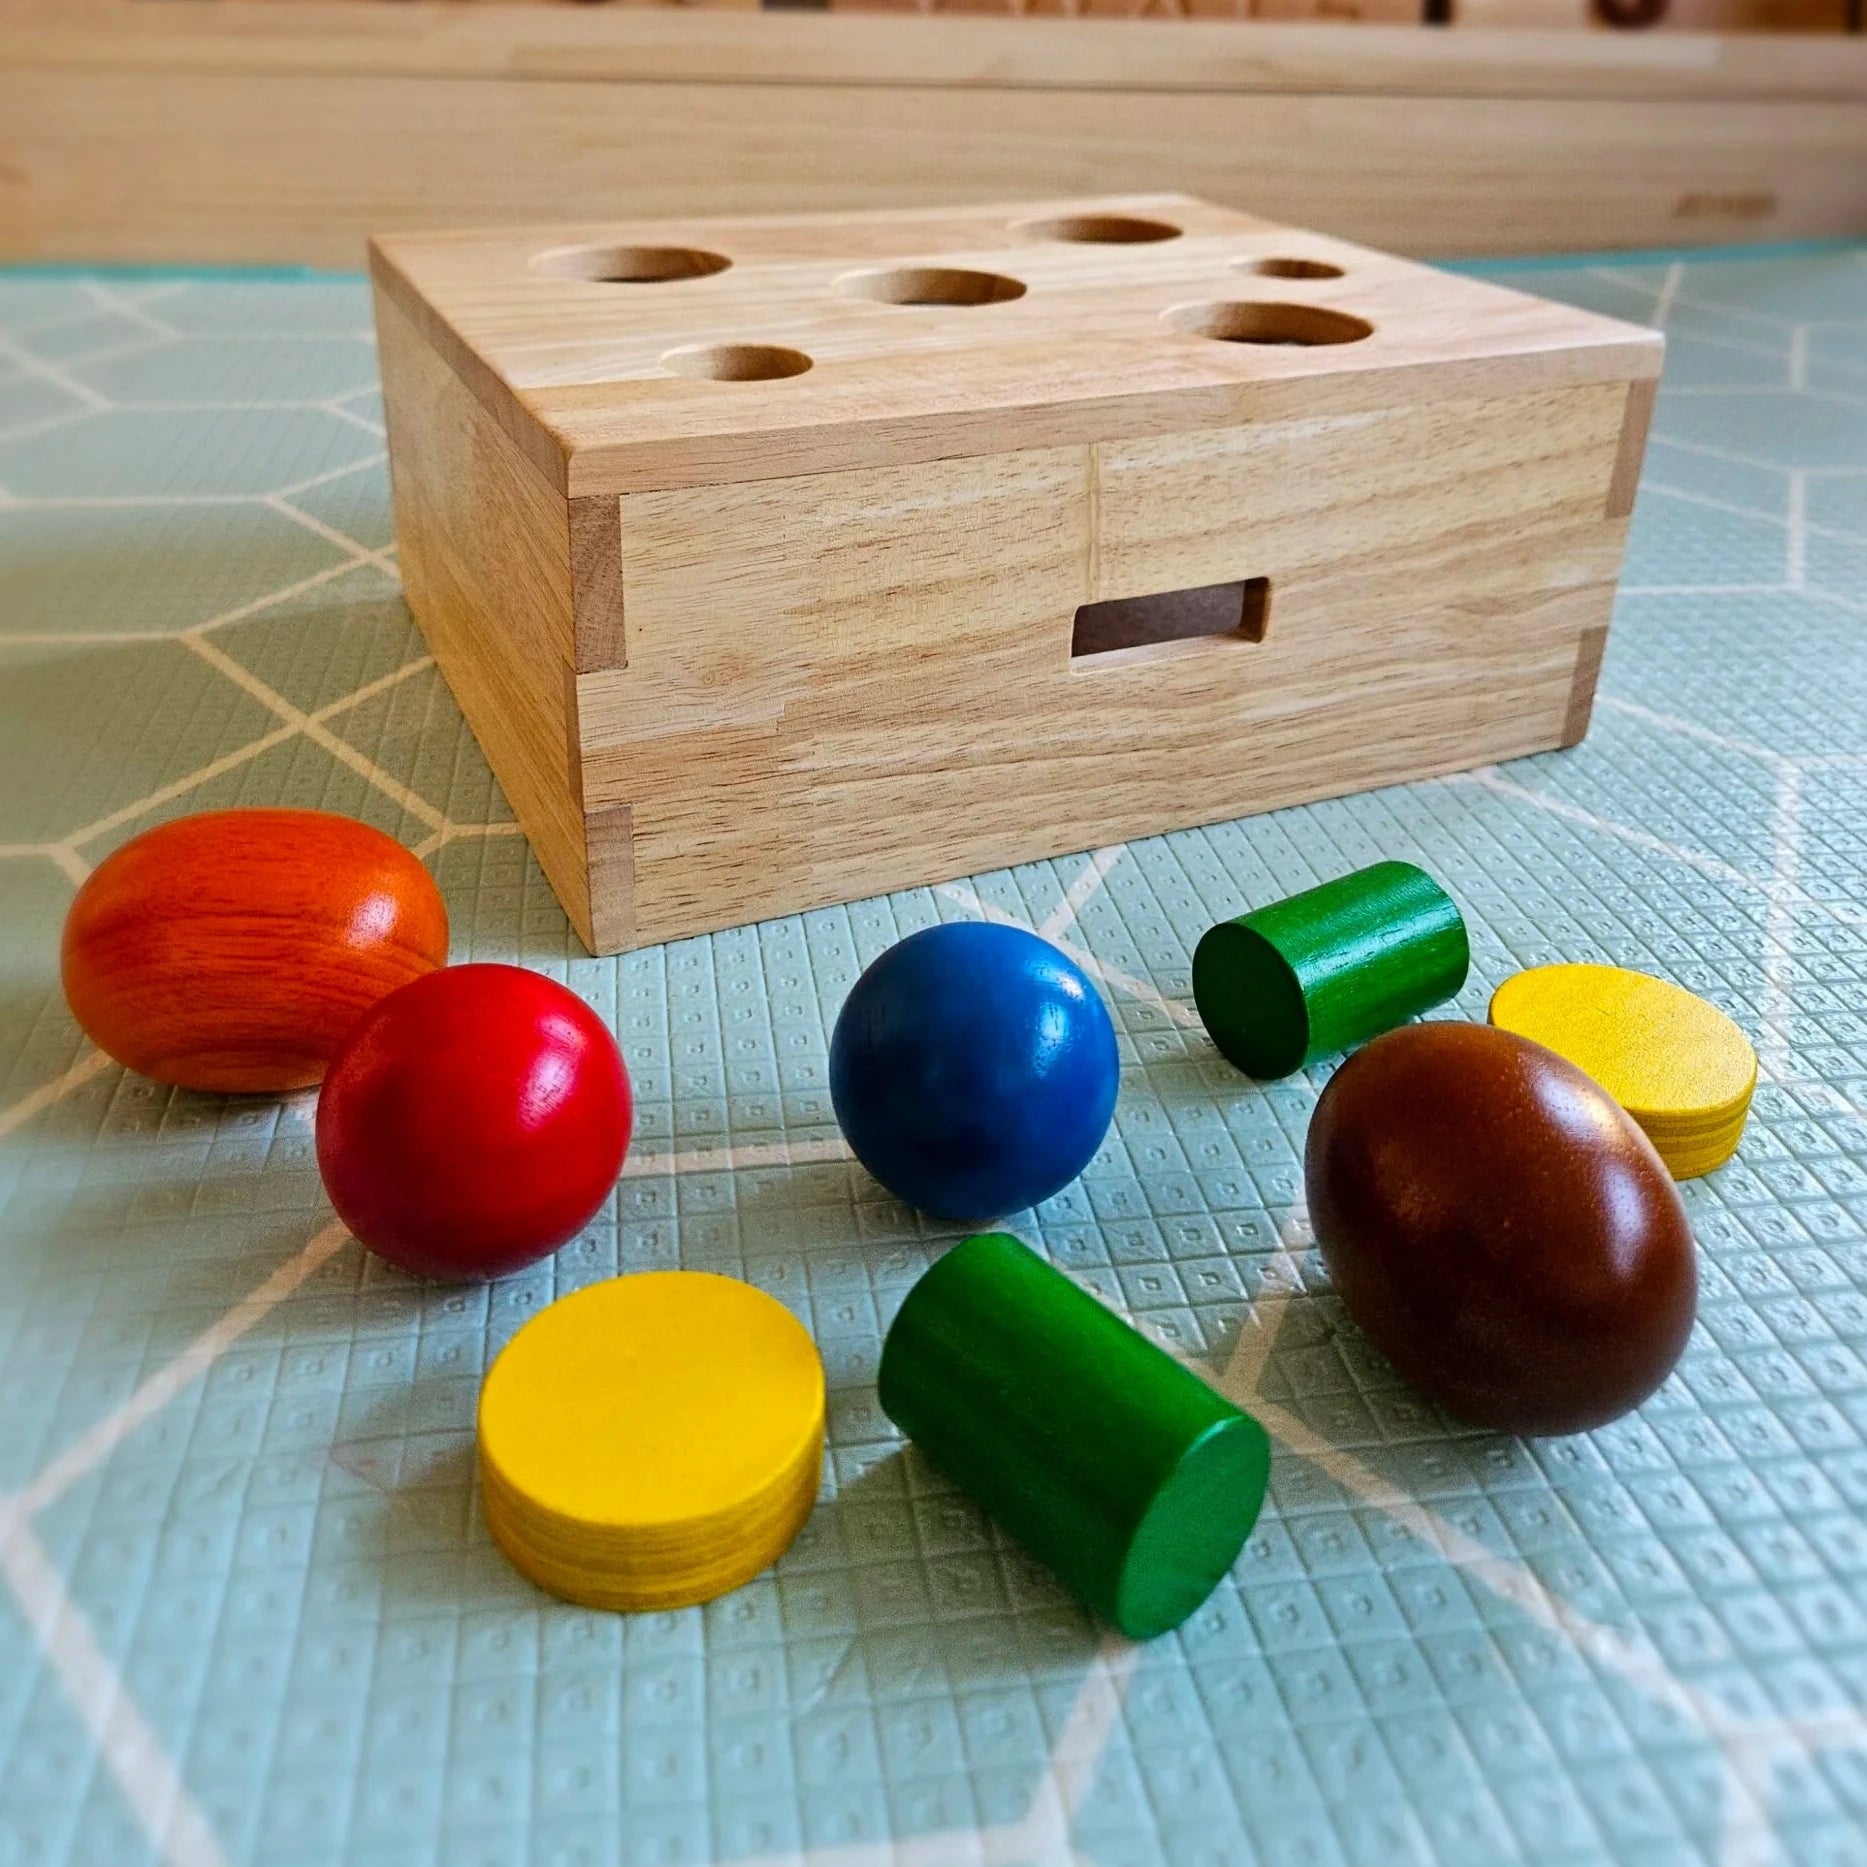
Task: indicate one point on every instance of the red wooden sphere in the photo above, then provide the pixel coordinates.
(473, 1122)
(1499, 1228)
(233, 949)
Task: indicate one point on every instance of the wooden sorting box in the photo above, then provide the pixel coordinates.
(782, 561)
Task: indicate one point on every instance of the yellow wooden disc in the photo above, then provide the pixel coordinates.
(1689, 1162)
(652, 1441)
(1678, 1066)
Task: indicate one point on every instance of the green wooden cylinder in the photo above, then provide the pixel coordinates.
(1124, 1473)
(1329, 968)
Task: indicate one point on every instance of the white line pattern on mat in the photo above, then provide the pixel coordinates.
(1750, 1749)
(174, 1377)
(134, 1756)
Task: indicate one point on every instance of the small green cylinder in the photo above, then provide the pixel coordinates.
(1123, 1472)
(1329, 968)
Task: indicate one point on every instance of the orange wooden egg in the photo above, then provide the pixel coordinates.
(233, 950)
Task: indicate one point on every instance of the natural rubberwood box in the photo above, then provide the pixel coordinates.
(777, 562)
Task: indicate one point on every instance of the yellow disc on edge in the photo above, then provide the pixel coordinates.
(1677, 1065)
(652, 1441)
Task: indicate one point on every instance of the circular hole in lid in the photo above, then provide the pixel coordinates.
(1100, 230)
(737, 362)
(932, 285)
(1280, 268)
(631, 265)
(1269, 324)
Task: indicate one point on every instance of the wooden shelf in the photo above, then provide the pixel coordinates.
(196, 131)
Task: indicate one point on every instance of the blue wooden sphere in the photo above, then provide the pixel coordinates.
(974, 1070)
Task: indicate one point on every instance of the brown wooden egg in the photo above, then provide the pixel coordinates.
(1499, 1228)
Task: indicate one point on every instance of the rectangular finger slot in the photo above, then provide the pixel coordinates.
(1239, 611)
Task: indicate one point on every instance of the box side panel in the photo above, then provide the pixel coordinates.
(485, 552)
(855, 682)
(1629, 456)
(791, 639)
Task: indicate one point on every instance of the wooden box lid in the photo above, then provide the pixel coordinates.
(631, 356)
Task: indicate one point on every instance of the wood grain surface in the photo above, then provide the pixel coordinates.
(312, 126)
(234, 949)
(485, 556)
(1089, 340)
(747, 647)
(438, 38)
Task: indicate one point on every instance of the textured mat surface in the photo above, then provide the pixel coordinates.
(248, 1610)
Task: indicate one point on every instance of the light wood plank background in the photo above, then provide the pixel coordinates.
(202, 132)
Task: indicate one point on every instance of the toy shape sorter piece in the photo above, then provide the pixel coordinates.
(781, 561)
